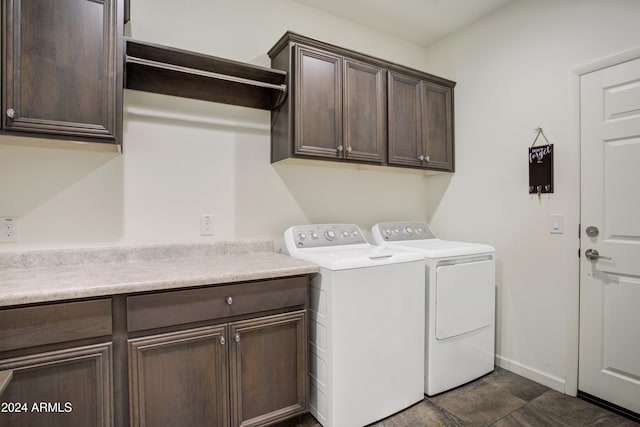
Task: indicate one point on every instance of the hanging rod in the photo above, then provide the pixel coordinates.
(194, 71)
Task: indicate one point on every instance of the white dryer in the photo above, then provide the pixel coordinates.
(460, 303)
(366, 325)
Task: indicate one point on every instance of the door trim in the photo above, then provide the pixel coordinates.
(573, 300)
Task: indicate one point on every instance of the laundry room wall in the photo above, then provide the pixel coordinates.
(184, 158)
(513, 70)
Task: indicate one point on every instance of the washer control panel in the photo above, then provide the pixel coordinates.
(401, 231)
(319, 235)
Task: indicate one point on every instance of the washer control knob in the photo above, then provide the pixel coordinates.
(345, 233)
(407, 231)
(419, 230)
(314, 235)
(355, 234)
(396, 231)
(302, 236)
(330, 235)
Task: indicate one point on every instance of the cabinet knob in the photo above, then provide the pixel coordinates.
(339, 149)
(421, 158)
(222, 340)
(11, 113)
(236, 337)
(427, 158)
(229, 300)
(349, 149)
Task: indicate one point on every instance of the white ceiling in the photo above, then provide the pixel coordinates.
(417, 21)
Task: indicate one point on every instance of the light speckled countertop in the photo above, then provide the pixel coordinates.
(51, 275)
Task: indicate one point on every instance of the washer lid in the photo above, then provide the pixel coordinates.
(436, 248)
(357, 256)
(418, 236)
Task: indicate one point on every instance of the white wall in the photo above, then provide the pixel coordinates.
(513, 70)
(183, 158)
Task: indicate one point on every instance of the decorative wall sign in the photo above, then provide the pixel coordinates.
(540, 166)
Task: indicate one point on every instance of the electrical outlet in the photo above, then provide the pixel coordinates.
(206, 225)
(8, 229)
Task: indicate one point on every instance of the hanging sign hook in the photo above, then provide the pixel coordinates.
(538, 133)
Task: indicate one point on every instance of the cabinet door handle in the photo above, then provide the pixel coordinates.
(421, 158)
(229, 300)
(339, 149)
(236, 337)
(349, 149)
(11, 113)
(427, 158)
(222, 340)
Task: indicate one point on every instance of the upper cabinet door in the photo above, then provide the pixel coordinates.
(437, 126)
(364, 111)
(318, 103)
(405, 129)
(62, 73)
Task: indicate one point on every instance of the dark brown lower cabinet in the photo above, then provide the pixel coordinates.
(70, 387)
(226, 355)
(256, 367)
(179, 378)
(268, 364)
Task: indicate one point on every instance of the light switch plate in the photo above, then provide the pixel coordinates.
(556, 225)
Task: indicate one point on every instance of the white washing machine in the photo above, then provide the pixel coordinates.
(366, 325)
(460, 301)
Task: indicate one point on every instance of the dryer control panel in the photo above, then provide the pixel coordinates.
(401, 231)
(325, 235)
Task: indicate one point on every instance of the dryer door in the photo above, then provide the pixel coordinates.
(464, 297)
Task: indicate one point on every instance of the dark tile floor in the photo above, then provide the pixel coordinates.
(500, 399)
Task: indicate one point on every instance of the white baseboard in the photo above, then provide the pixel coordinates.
(533, 374)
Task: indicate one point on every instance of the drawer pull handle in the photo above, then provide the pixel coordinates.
(229, 300)
(236, 337)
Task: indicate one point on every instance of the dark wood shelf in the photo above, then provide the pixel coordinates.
(176, 72)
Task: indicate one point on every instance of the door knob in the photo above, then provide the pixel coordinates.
(593, 255)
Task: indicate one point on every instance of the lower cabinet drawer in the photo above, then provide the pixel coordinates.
(27, 327)
(195, 305)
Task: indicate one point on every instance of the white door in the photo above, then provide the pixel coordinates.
(609, 364)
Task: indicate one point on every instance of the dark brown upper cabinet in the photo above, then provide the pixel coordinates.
(335, 109)
(318, 104)
(344, 105)
(420, 123)
(365, 99)
(62, 69)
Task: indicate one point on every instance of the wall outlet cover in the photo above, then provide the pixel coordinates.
(8, 229)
